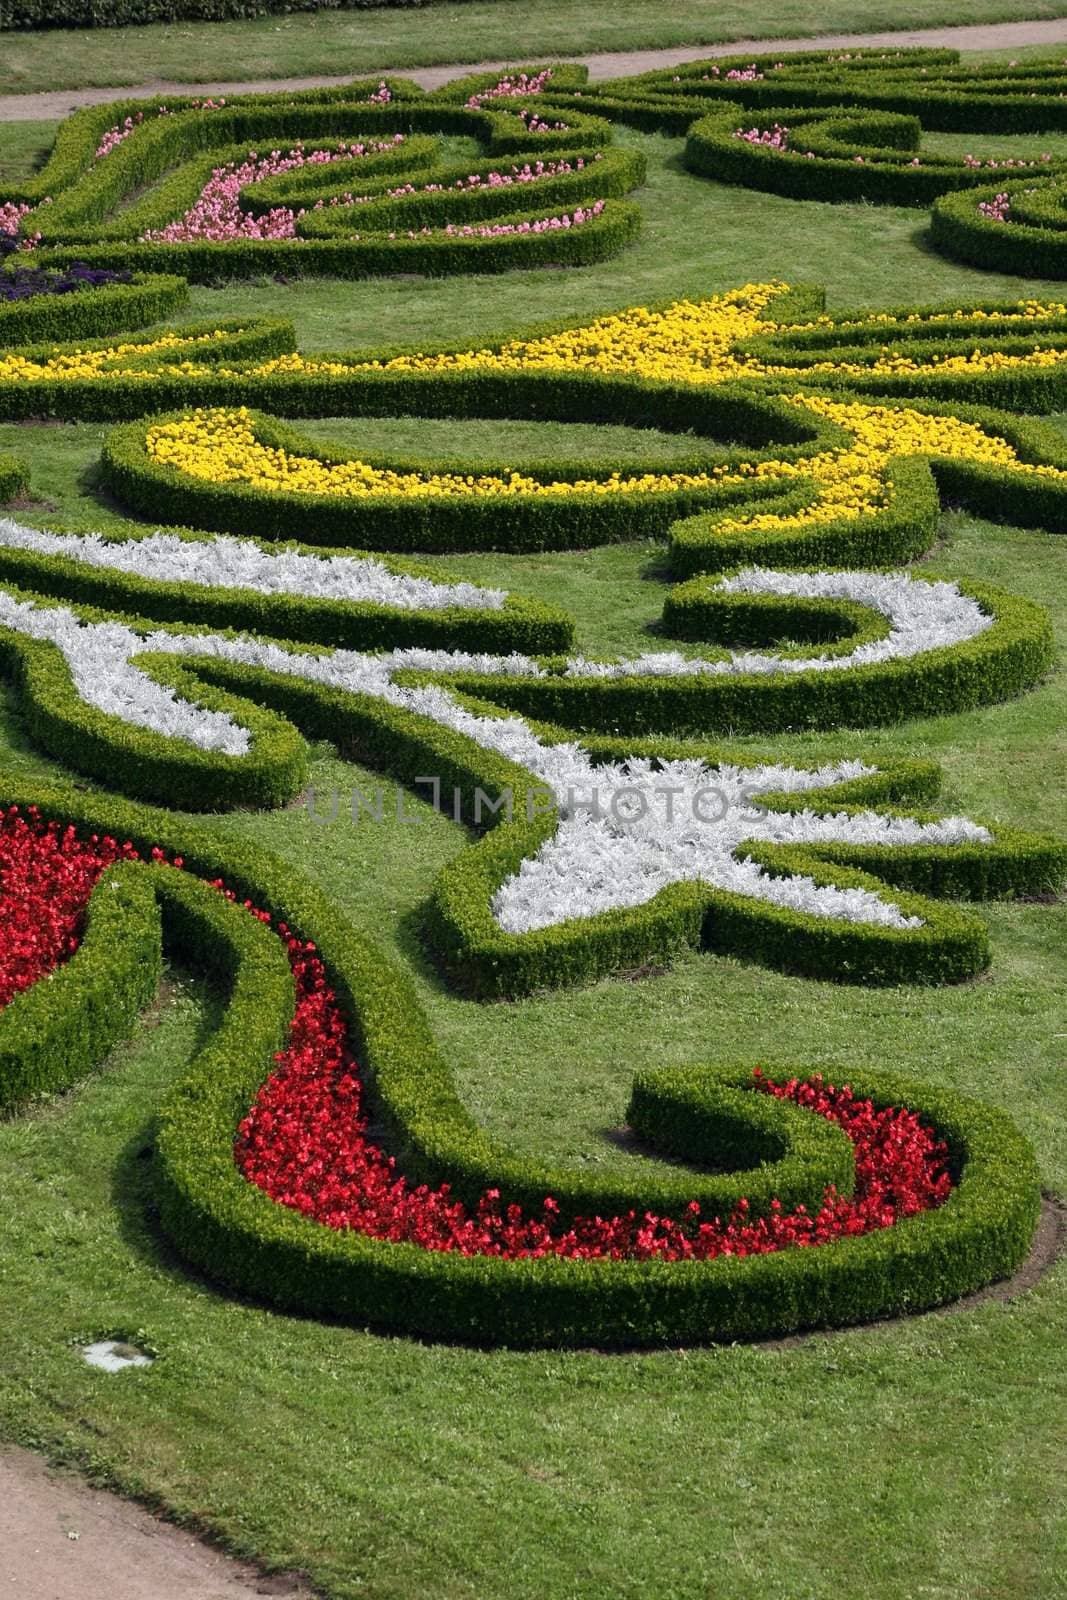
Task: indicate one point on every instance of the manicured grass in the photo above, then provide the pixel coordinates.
(23, 147)
(366, 41)
(917, 1461)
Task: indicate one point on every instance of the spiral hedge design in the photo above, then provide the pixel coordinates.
(849, 125)
(189, 668)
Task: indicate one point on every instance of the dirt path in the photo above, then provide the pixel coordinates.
(991, 36)
(61, 1540)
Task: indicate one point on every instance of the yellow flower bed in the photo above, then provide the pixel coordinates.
(698, 342)
(219, 445)
(689, 342)
(117, 361)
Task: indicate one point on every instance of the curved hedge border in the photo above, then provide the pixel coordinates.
(1031, 239)
(948, 946)
(928, 84)
(617, 225)
(1005, 659)
(56, 1031)
(690, 518)
(230, 370)
(89, 313)
(521, 624)
(442, 524)
(1001, 662)
(839, 154)
(232, 1230)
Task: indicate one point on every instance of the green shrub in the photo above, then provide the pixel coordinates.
(127, 13)
(14, 478)
(88, 313)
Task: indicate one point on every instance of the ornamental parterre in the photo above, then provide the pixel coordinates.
(305, 1140)
(349, 183)
(191, 668)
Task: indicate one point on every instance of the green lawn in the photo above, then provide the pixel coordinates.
(915, 1461)
(361, 40)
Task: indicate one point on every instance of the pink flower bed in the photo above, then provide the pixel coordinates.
(975, 162)
(217, 214)
(998, 209)
(500, 230)
(475, 180)
(520, 84)
(122, 130)
(776, 138)
(12, 216)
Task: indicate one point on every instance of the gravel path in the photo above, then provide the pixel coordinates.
(61, 1540)
(991, 36)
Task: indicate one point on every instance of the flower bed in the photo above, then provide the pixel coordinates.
(930, 84)
(81, 302)
(848, 126)
(928, 1193)
(849, 430)
(841, 154)
(187, 186)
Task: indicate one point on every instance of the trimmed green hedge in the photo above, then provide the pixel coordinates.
(432, 255)
(56, 1031)
(837, 154)
(928, 84)
(141, 762)
(903, 530)
(522, 624)
(750, 412)
(88, 218)
(607, 174)
(444, 523)
(949, 947)
(230, 1229)
(127, 13)
(89, 313)
(1032, 240)
(477, 952)
(1008, 657)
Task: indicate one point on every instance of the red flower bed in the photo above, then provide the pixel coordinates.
(305, 1139)
(46, 877)
(305, 1143)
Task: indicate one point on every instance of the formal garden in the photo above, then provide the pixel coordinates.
(533, 825)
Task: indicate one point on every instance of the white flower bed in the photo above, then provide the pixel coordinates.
(225, 562)
(627, 830)
(922, 616)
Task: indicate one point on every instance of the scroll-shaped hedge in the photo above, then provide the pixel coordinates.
(841, 154)
(976, 1225)
(92, 311)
